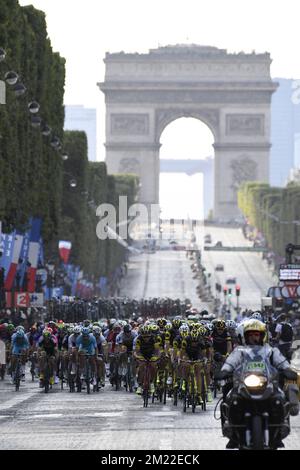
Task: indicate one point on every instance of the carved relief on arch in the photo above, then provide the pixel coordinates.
(243, 169)
(130, 165)
(163, 117)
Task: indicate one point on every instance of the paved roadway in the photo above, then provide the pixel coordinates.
(109, 420)
(251, 271)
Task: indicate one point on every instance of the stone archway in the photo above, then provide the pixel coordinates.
(231, 93)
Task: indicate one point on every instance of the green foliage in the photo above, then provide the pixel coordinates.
(30, 170)
(94, 187)
(34, 181)
(273, 211)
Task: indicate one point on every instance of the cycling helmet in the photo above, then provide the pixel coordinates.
(219, 324)
(231, 324)
(202, 331)
(112, 321)
(85, 331)
(257, 316)
(195, 334)
(161, 322)
(77, 330)
(20, 333)
(20, 328)
(184, 331)
(97, 330)
(46, 333)
(127, 329)
(154, 328)
(144, 330)
(177, 322)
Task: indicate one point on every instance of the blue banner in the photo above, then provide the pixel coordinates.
(24, 257)
(8, 241)
(74, 280)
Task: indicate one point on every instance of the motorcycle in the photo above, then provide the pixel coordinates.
(256, 411)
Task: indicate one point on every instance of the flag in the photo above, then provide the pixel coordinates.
(33, 253)
(8, 241)
(64, 250)
(9, 281)
(74, 280)
(24, 256)
(1, 241)
(41, 260)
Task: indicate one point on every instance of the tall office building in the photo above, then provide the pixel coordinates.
(79, 118)
(285, 130)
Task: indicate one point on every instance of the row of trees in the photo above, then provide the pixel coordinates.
(34, 180)
(31, 171)
(273, 211)
(79, 221)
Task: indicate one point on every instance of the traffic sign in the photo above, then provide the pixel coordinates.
(289, 291)
(22, 299)
(36, 300)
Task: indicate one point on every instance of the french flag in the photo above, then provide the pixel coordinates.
(64, 250)
(33, 253)
(9, 281)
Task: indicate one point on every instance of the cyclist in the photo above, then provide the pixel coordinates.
(47, 347)
(102, 352)
(221, 338)
(193, 348)
(87, 345)
(147, 348)
(19, 345)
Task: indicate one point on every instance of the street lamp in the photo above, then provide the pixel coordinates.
(33, 107)
(19, 89)
(46, 130)
(2, 54)
(11, 78)
(35, 121)
(73, 183)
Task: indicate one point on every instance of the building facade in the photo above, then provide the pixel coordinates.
(79, 118)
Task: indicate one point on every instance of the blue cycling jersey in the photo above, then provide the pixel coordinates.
(19, 343)
(87, 344)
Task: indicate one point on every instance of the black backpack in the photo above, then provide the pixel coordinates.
(286, 333)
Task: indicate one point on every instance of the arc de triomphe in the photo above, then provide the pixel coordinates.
(231, 93)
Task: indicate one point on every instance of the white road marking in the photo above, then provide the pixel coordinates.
(165, 413)
(54, 415)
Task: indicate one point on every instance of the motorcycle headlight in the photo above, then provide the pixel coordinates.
(254, 381)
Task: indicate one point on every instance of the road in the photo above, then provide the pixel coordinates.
(110, 420)
(251, 271)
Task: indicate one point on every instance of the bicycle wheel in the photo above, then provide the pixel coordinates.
(88, 378)
(203, 392)
(32, 370)
(78, 384)
(17, 377)
(193, 395)
(175, 396)
(185, 401)
(145, 397)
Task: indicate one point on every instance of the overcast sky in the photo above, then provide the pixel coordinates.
(84, 30)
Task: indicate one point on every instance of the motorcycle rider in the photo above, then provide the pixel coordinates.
(254, 335)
